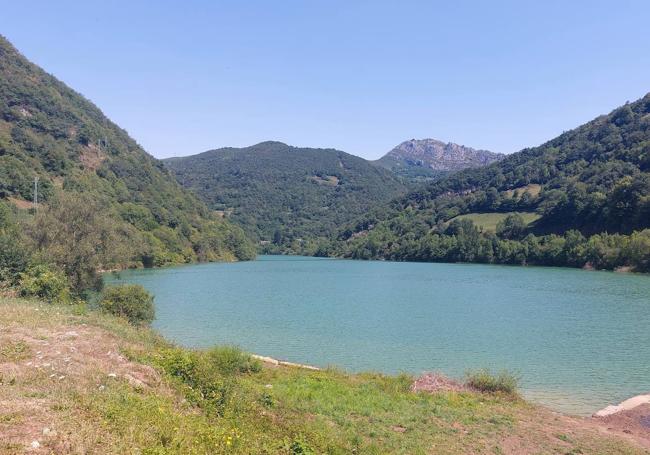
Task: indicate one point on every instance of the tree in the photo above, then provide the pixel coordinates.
(75, 233)
(14, 256)
(512, 227)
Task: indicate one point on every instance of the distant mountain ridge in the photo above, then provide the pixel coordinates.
(580, 199)
(431, 158)
(286, 196)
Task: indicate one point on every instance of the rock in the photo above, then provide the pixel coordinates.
(437, 155)
(298, 365)
(35, 444)
(628, 404)
(134, 382)
(264, 359)
(609, 410)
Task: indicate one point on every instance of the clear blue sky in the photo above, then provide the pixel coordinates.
(361, 76)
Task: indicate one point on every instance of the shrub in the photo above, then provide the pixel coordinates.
(230, 360)
(206, 386)
(485, 381)
(179, 363)
(13, 259)
(42, 282)
(299, 447)
(130, 301)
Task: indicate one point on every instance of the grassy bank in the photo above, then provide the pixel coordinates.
(82, 382)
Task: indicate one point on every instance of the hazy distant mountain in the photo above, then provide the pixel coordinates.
(427, 158)
(285, 194)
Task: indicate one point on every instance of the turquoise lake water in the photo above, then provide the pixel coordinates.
(578, 340)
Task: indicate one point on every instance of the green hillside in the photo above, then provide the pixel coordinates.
(490, 221)
(49, 131)
(285, 195)
(589, 187)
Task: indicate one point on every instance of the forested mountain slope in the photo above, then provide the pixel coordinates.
(594, 179)
(285, 195)
(49, 131)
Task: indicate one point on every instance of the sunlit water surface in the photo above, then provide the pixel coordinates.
(579, 340)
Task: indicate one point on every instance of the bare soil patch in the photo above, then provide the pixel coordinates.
(435, 382)
(634, 423)
(92, 157)
(40, 366)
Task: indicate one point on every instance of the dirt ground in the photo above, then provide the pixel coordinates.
(39, 366)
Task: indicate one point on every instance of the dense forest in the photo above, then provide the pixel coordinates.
(289, 198)
(588, 189)
(97, 188)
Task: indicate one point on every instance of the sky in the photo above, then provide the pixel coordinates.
(360, 76)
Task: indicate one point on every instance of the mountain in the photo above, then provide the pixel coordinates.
(286, 195)
(429, 158)
(49, 131)
(590, 181)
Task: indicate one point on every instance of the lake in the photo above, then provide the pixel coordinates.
(578, 340)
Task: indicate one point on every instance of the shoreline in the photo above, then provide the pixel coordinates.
(608, 411)
(82, 355)
(626, 405)
(284, 363)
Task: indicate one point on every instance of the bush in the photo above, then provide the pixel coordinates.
(13, 259)
(130, 301)
(229, 360)
(206, 387)
(485, 381)
(42, 282)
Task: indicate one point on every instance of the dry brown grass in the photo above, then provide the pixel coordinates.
(92, 157)
(21, 203)
(47, 358)
(68, 382)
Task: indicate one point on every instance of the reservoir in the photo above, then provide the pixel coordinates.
(578, 340)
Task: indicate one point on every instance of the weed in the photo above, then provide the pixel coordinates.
(485, 381)
(14, 351)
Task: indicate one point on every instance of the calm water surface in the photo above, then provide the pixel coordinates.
(579, 340)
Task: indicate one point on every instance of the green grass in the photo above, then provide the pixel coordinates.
(485, 381)
(221, 401)
(533, 189)
(489, 221)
